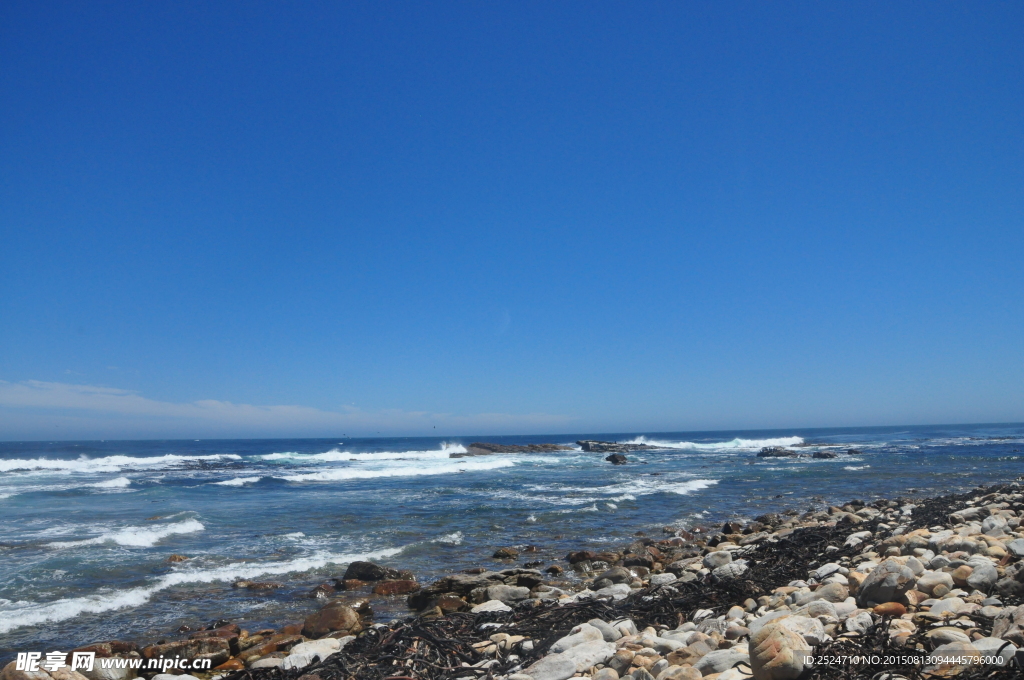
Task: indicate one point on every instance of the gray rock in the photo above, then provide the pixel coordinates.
(507, 594)
(619, 591)
(928, 580)
(993, 646)
(588, 654)
(608, 633)
(1007, 625)
(606, 674)
(663, 579)
(951, 654)
(642, 674)
(584, 633)
(552, 667)
(617, 575)
(859, 623)
(984, 576)
(886, 583)
(717, 559)
(720, 660)
(657, 668)
(491, 606)
(1016, 547)
(730, 571)
(269, 662)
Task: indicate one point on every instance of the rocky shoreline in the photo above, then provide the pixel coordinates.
(915, 588)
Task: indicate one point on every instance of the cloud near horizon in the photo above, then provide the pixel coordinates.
(51, 410)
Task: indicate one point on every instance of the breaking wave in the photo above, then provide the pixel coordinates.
(137, 537)
(239, 481)
(108, 463)
(719, 446)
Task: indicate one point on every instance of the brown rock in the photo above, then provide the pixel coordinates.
(506, 554)
(579, 556)
(554, 570)
(291, 629)
(451, 603)
(230, 665)
(890, 609)
(961, 574)
(200, 647)
(352, 584)
(396, 587)
(335, 616)
(176, 558)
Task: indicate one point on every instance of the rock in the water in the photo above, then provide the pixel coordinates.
(777, 653)
(368, 571)
(594, 446)
(616, 459)
(824, 454)
(886, 583)
(396, 587)
(506, 554)
(776, 452)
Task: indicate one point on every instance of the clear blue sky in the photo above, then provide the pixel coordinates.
(245, 218)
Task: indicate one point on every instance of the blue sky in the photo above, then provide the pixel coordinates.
(271, 219)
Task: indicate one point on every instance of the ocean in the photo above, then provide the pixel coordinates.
(86, 527)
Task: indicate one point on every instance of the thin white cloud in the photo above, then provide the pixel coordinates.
(35, 409)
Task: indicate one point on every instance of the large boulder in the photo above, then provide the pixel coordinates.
(777, 653)
(886, 583)
(335, 616)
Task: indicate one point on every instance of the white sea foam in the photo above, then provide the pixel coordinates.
(447, 467)
(612, 506)
(137, 537)
(454, 538)
(337, 455)
(118, 483)
(854, 468)
(239, 481)
(719, 446)
(591, 508)
(19, 614)
(108, 463)
(297, 534)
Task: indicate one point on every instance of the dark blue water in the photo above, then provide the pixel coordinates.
(87, 527)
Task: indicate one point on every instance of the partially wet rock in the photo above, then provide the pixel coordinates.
(335, 616)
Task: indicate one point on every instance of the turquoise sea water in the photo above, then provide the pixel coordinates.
(87, 526)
